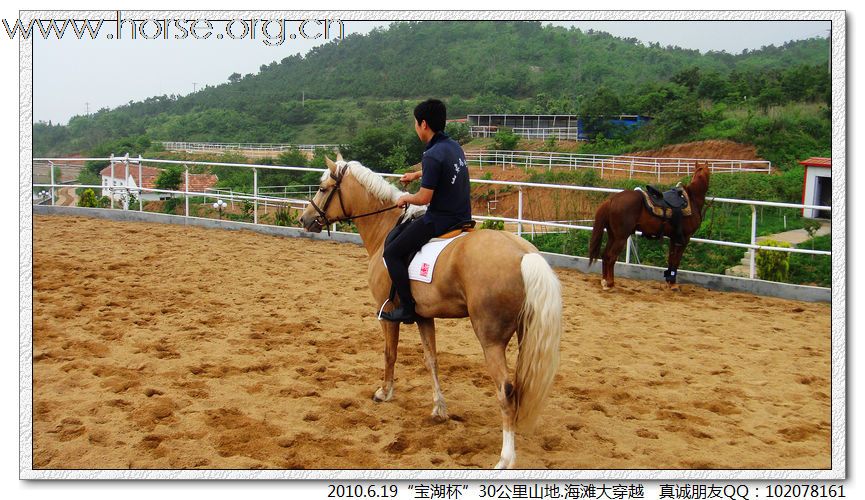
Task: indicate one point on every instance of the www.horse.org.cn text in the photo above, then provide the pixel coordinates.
(271, 32)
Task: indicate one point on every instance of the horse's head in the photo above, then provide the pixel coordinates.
(700, 180)
(328, 205)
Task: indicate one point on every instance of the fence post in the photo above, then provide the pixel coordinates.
(186, 190)
(658, 165)
(520, 212)
(140, 187)
(255, 194)
(51, 167)
(126, 181)
(628, 251)
(751, 271)
(631, 172)
(111, 185)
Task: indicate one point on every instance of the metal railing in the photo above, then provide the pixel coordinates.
(256, 197)
(611, 164)
(192, 147)
(563, 133)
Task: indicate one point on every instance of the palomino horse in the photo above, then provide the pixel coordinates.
(495, 278)
(623, 213)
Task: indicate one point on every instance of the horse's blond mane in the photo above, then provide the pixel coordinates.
(374, 184)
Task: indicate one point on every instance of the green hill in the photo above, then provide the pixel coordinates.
(374, 80)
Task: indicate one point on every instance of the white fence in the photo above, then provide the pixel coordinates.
(611, 164)
(257, 198)
(221, 147)
(564, 133)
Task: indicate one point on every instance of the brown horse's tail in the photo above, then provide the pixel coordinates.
(541, 323)
(602, 220)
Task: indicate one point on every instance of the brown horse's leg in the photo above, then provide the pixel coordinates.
(391, 339)
(497, 366)
(614, 247)
(428, 339)
(674, 257)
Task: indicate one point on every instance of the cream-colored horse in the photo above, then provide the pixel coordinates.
(495, 278)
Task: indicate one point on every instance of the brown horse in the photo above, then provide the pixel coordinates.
(624, 213)
(497, 279)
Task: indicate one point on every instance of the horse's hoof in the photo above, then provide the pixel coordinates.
(605, 286)
(505, 464)
(439, 414)
(380, 396)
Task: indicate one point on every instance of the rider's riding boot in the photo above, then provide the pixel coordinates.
(404, 313)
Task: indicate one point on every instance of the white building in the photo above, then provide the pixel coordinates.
(817, 188)
(129, 179)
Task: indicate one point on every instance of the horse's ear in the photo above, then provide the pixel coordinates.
(330, 164)
(339, 156)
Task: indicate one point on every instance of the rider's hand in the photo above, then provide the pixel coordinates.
(409, 176)
(403, 200)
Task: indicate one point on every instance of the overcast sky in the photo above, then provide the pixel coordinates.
(71, 76)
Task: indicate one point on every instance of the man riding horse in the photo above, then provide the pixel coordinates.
(444, 186)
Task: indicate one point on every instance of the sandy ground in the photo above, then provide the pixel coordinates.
(159, 346)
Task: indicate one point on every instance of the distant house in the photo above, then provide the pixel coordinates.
(122, 178)
(817, 188)
(570, 127)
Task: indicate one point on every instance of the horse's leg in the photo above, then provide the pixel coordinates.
(428, 339)
(497, 366)
(391, 339)
(614, 247)
(674, 257)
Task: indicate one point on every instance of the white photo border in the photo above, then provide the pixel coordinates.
(839, 275)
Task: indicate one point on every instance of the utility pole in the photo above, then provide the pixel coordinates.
(193, 86)
(87, 105)
(302, 98)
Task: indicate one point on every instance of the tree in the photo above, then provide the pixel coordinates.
(595, 110)
(169, 179)
(234, 77)
(459, 131)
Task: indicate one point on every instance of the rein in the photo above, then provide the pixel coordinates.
(322, 219)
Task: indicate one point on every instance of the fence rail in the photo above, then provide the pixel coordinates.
(257, 197)
(611, 164)
(243, 146)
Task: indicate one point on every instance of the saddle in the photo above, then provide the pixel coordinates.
(457, 229)
(662, 204)
(452, 232)
(670, 206)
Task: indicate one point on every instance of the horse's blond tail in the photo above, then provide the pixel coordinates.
(541, 323)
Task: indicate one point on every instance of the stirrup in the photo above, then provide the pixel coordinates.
(406, 318)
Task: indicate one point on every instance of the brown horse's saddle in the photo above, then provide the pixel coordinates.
(665, 204)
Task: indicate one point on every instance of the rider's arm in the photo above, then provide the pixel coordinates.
(422, 197)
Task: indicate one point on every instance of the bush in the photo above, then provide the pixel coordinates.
(771, 265)
(284, 217)
(170, 205)
(493, 224)
(88, 199)
(505, 140)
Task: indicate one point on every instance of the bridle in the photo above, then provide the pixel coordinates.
(322, 220)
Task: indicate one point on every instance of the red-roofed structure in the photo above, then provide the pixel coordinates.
(198, 183)
(817, 186)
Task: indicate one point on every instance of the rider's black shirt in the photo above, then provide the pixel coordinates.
(445, 172)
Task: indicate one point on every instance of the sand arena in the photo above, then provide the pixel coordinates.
(170, 347)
